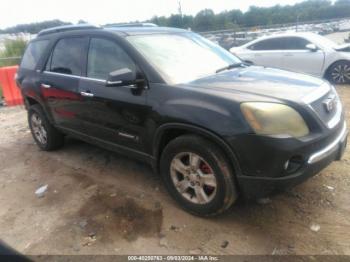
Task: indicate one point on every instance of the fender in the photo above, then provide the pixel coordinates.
(38, 100)
(196, 130)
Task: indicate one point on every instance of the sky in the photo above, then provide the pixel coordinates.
(114, 11)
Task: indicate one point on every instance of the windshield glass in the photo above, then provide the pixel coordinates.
(184, 57)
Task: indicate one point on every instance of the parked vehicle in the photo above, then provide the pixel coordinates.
(307, 53)
(213, 127)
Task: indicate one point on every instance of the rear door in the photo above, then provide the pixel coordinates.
(113, 114)
(298, 58)
(268, 52)
(60, 81)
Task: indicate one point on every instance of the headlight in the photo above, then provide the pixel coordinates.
(274, 119)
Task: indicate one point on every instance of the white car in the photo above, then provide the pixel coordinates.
(308, 53)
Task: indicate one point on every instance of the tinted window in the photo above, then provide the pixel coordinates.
(269, 44)
(67, 56)
(33, 53)
(282, 43)
(296, 43)
(106, 56)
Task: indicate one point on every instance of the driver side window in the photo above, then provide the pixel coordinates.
(106, 56)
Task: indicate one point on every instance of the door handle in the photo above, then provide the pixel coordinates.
(45, 85)
(288, 54)
(87, 94)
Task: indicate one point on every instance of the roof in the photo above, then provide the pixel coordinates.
(307, 35)
(287, 34)
(66, 28)
(130, 25)
(145, 30)
(125, 29)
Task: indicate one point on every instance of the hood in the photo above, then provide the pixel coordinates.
(268, 82)
(343, 48)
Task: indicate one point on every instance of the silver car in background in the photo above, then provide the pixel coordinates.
(307, 53)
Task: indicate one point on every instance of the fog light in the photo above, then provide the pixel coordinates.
(293, 164)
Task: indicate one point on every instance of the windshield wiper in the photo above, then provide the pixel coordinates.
(228, 67)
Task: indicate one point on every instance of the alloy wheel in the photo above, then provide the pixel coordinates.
(341, 73)
(193, 178)
(38, 128)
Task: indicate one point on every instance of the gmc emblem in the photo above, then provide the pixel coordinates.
(329, 104)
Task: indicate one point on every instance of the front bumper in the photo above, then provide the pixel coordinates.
(262, 186)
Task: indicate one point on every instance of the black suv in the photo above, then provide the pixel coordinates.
(212, 126)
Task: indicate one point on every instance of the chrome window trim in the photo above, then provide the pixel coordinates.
(76, 76)
(319, 155)
(60, 74)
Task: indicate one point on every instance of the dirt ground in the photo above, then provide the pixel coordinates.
(99, 202)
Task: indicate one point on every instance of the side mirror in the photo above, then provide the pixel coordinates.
(311, 47)
(121, 77)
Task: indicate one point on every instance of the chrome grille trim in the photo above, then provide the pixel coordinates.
(330, 123)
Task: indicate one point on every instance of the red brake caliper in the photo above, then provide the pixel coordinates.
(206, 170)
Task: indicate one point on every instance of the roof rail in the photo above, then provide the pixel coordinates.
(131, 25)
(66, 28)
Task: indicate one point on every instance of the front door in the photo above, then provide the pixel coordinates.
(300, 59)
(112, 114)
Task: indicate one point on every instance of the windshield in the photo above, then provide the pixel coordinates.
(184, 57)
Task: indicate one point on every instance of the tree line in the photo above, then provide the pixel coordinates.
(206, 19)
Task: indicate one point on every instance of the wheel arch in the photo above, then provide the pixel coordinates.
(325, 74)
(31, 100)
(168, 132)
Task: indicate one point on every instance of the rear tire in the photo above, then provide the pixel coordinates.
(198, 175)
(339, 73)
(46, 136)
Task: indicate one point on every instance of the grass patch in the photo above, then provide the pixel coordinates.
(13, 48)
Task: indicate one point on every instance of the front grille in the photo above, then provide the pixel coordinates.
(330, 117)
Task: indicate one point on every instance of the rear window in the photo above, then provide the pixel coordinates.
(33, 54)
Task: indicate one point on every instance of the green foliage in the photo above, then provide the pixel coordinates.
(13, 48)
(34, 28)
(258, 16)
(234, 19)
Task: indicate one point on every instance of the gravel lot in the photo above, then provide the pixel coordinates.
(99, 202)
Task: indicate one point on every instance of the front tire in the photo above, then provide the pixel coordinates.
(339, 73)
(46, 136)
(198, 175)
